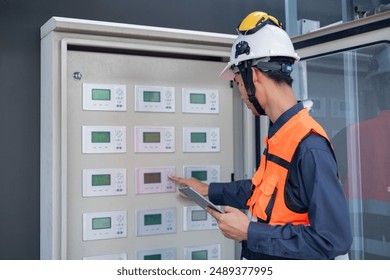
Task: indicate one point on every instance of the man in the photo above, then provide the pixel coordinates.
(297, 208)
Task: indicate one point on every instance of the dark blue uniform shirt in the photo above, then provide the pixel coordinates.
(312, 186)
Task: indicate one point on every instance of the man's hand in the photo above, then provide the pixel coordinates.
(197, 185)
(233, 223)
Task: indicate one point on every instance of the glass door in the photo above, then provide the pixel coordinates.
(351, 98)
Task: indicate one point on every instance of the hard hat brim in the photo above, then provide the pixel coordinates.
(227, 73)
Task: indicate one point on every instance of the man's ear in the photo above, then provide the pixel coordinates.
(257, 75)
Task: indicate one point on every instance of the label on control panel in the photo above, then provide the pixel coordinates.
(206, 252)
(196, 218)
(154, 180)
(104, 139)
(201, 139)
(200, 101)
(154, 139)
(104, 97)
(104, 182)
(154, 99)
(205, 173)
(104, 225)
(156, 221)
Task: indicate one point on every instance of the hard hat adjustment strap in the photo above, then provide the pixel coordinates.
(258, 108)
(274, 66)
(246, 73)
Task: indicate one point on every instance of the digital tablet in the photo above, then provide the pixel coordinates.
(198, 198)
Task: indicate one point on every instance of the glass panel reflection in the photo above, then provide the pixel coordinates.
(351, 99)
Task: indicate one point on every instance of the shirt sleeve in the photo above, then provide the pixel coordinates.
(234, 194)
(329, 232)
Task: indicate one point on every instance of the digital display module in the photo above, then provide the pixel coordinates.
(198, 137)
(101, 180)
(101, 137)
(198, 215)
(201, 175)
(199, 255)
(101, 223)
(152, 219)
(152, 96)
(197, 98)
(101, 94)
(153, 257)
(152, 178)
(151, 137)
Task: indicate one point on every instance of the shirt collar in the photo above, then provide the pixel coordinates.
(284, 118)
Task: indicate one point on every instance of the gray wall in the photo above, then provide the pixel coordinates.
(20, 22)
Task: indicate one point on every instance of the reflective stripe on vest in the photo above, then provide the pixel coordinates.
(267, 201)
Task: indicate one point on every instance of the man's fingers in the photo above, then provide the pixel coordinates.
(174, 178)
(179, 180)
(214, 213)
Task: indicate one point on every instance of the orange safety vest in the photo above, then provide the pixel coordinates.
(270, 179)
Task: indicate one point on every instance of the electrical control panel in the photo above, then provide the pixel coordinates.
(156, 221)
(104, 139)
(154, 139)
(200, 101)
(201, 139)
(206, 252)
(196, 218)
(104, 182)
(104, 97)
(126, 192)
(154, 180)
(104, 225)
(123, 123)
(157, 254)
(154, 99)
(204, 173)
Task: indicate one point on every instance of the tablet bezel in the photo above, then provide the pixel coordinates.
(199, 199)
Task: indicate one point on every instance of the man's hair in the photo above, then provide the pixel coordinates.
(277, 76)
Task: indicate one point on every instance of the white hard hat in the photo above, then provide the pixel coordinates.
(260, 36)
